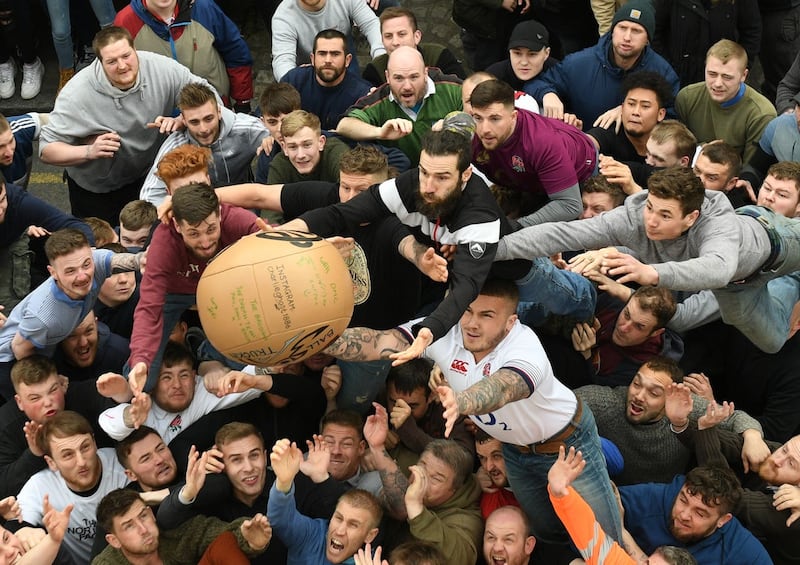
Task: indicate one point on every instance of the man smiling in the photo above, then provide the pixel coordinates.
(178, 256)
(400, 112)
(232, 137)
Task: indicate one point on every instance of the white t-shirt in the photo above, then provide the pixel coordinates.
(170, 424)
(547, 410)
(83, 520)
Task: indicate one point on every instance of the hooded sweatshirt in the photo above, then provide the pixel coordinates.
(239, 137)
(454, 527)
(89, 105)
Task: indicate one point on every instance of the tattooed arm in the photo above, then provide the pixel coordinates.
(487, 395)
(364, 344)
(126, 262)
(493, 392)
(392, 495)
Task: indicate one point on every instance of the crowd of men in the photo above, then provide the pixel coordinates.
(576, 287)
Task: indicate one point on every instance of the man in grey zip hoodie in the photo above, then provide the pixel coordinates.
(232, 137)
(685, 238)
(108, 123)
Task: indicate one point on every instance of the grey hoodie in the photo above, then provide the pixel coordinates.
(89, 106)
(720, 247)
(239, 137)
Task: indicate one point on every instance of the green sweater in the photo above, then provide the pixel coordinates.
(739, 125)
(443, 97)
(185, 544)
(281, 170)
(455, 527)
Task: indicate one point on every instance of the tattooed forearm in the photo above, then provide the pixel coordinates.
(493, 392)
(125, 262)
(364, 344)
(393, 493)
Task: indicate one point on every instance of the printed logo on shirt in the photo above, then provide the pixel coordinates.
(477, 249)
(517, 164)
(84, 531)
(176, 424)
(193, 269)
(487, 369)
(459, 366)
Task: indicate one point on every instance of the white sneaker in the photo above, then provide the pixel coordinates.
(31, 79)
(7, 72)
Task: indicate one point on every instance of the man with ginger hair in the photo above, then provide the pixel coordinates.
(185, 165)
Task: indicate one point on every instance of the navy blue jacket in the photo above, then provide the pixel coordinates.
(591, 71)
(647, 517)
(25, 210)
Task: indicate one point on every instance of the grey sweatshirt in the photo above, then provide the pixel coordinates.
(720, 247)
(89, 106)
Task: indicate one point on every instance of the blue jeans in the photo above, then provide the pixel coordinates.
(546, 289)
(61, 28)
(527, 475)
(174, 307)
(362, 381)
(761, 306)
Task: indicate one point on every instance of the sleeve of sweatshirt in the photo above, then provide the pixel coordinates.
(28, 210)
(233, 48)
(148, 321)
(554, 80)
(112, 421)
(455, 535)
(284, 46)
(369, 24)
(716, 261)
(544, 240)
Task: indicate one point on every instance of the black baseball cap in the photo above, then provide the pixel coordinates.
(530, 34)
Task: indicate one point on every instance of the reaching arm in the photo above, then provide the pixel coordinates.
(494, 392)
(563, 206)
(252, 195)
(364, 344)
(486, 395)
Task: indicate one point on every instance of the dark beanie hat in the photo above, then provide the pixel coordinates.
(640, 12)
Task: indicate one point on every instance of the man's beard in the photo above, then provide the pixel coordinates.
(336, 74)
(690, 539)
(441, 208)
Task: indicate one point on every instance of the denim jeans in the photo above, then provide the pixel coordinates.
(546, 289)
(760, 307)
(174, 307)
(362, 381)
(527, 475)
(61, 27)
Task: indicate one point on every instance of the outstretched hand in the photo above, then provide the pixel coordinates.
(449, 401)
(376, 428)
(567, 467)
(54, 521)
(285, 459)
(415, 350)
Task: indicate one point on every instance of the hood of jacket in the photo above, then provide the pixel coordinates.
(160, 28)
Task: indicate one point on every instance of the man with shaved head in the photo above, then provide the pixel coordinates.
(398, 113)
